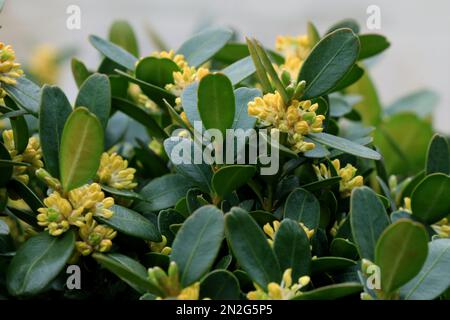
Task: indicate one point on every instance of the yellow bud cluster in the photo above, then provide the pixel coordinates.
(284, 291)
(295, 50)
(9, 68)
(160, 247)
(442, 228)
(114, 172)
(43, 64)
(271, 229)
(297, 120)
(32, 155)
(94, 237)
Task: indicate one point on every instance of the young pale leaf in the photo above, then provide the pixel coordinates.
(131, 223)
(25, 93)
(216, 103)
(240, 70)
(430, 201)
(303, 206)
(220, 285)
(433, 279)
(158, 72)
(204, 45)
(95, 95)
(79, 71)
(292, 248)
(197, 243)
(53, 113)
(371, 45)
(121, 33)
(331, 292)
(38, 261)
(81, 148)
(400, 253)
(438, 156)
(250, 248)
(345, 145)
(313, 34)
(329, 62)
(368, 219)
(229, 178)
(113, 52)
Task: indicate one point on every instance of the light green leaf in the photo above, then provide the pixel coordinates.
(303, 206)
(113, 52)
(421, 102)
(79, 71)
(241, 118)
(158, 72)
(121, 33)
(25, 93)
(239, 70)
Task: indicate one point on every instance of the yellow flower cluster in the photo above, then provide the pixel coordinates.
(169, 283)
(349, 179)
(9, 68)
(31, 155)
(78, 209)
(185, 76)
(284, 291)
(44, 64)
(114, 172)
(295, 50)
(297, 120)
(160, 247)
(271, 229)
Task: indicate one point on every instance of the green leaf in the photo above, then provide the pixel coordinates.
(345, 23)
(331, 292)
(352, 76)
(80, 72)
(400, 253)
(37, 262)
(368, 219)
(220, 285)
(241, 118)
(371, 45)
(216, 103)
(7, 171)
(113, 52)
(163, 192)
(344, 145)
(131, 223)
(438, 156)
(95, 95)
(303, 206)
(197, 243)
(433, 279)
(239, 70)
(121, 33)
(339, 107)
(250, 248)
(30, 198)
(292, 248)
(421, 102)
(313, 34)
(129, 270)
(329, 62)
(53, 113)
(330, 264)
(430, 201)
(18, 125)
(81, 148)
(343, 248)
(122, 193)
(25, 93)
(230, 178)
(204, 45)
(140, 115)
(322, 184)
(158, 72)
(166, 218)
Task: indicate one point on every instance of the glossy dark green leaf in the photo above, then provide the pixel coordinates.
(345, 145)
(329, 62)
(53, 113)
(204, 45)
(7, 171)
(22, 190)
(216, 104)
(368, 219)
(352, 76)
(129, 270)
(303, 206)
(80, 72)
(38, 262)
(113, 52)
(79, 157)
(438, 155)
(262, 217)
(345, 23)
(292, 248)
(343, 248)
(430, 201)
(230, 178)
(95, 95)
(121, 33)
(371, 45)
(166, 218)
(239, 70)
(241, 118)
(331, 292)
(321, 184)
(25, 93)
(131, 223)
(122, 193)
(400, 253)
(433, 279)
(330, 264)
(220, 285)
(197, 243)
(158, 72)
(250, 248)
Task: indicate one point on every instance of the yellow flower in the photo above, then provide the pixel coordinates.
(284, 291)
(54, 216)
(291, 65)
(114, 172)
(271, 230)
(160, 247)
(407, 204)
(90, 197)
(298, 46)
(44, 64)
(442, 228)
(297, 120)
(190, 293)
(94, 237)
(177, 58)
(349, 179)
(9, 69)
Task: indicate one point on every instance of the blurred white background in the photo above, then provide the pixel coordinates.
(419, 56)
